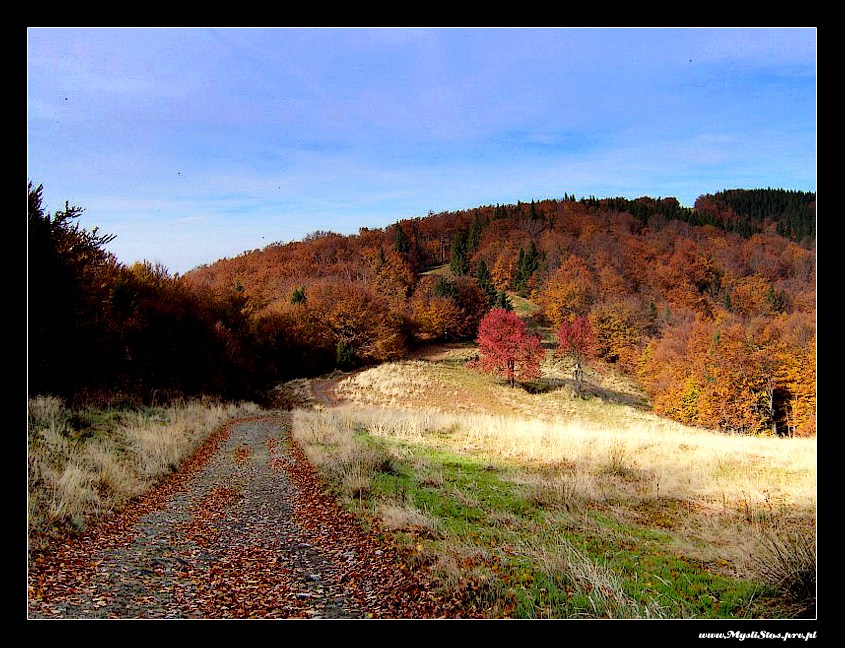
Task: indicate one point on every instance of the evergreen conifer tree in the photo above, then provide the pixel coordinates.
(503, 301)
(459, 261)
(485, 281)
(401, 244)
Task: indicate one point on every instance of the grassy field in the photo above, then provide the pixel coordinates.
(534, 503)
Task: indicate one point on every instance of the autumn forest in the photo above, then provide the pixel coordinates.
(711, 309)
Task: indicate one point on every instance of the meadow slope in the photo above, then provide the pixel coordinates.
(539, 503)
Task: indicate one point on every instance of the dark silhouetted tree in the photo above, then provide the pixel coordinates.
(69, 279)
(459, 261)
(527, 263)
(485, 281)
(503, 301)
(402, 245)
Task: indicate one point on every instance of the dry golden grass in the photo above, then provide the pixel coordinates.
(447, 386)
(77, 474)
(406, 516)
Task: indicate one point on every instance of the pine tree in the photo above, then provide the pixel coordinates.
(401, 244)
(345, 355)
(485, 281)
(528, 262)
(475, 230)
(503, 301)
(445, 288)
(298, 296)
(459, 261)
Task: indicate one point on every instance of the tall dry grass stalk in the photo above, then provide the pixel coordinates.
(787, 563)
(326, 437)
(602, 588)
(76, 474)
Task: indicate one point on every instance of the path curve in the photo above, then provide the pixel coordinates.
(245, 529)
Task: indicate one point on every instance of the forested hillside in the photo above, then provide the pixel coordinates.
(712, 308)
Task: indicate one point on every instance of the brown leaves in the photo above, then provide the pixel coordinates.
(242, 454)
(243, 583)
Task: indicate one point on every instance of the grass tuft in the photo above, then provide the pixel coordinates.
(787, 563)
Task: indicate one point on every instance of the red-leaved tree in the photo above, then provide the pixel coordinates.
(507, 348)
(575, 337)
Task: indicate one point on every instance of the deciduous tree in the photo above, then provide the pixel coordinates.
(70, 276)
(507, 348)
(447, 308)
(570, 291)
(575, 338)
(616, 333)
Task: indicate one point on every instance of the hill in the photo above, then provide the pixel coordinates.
(622, 497)
(710, 309)
(464, 497)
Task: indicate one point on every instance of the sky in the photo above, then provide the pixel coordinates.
(189, 145)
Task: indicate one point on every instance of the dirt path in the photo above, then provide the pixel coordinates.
(325, 391)
(243, 530)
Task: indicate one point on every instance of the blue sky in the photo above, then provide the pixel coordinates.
(194, 144)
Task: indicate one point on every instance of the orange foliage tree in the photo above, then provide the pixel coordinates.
(571, 290)
(447, 308)
(749, 376)
(672, 369)
(690, 278)
(617, 332)
(392, 276)
(355, 320)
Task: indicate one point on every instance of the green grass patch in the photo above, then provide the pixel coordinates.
(469, 491)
